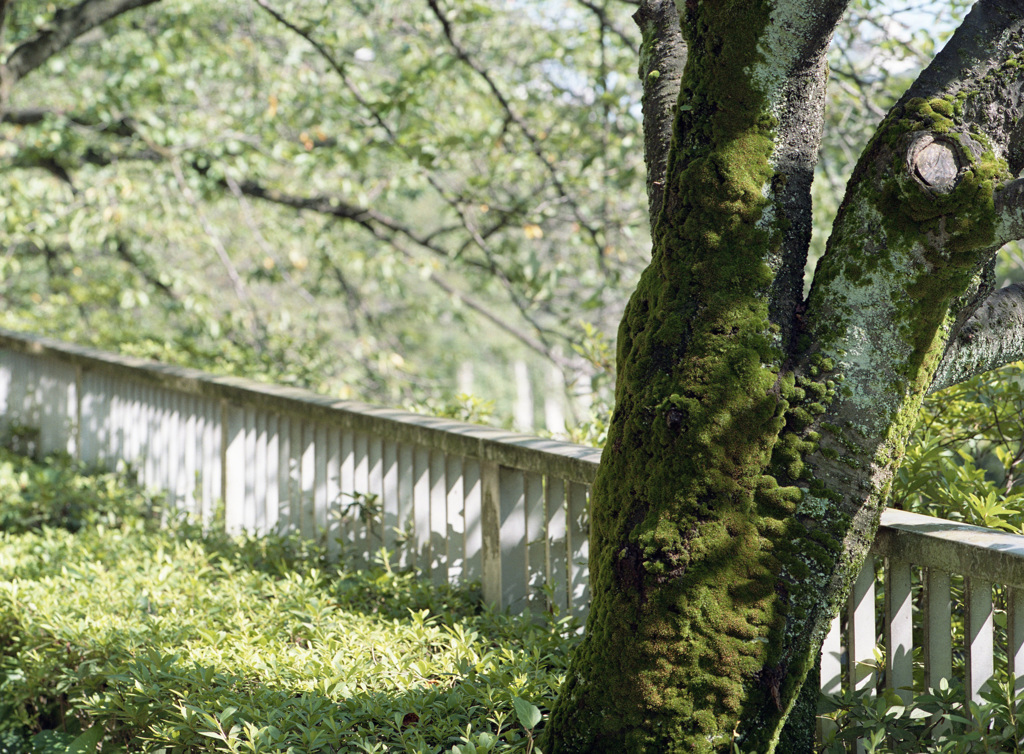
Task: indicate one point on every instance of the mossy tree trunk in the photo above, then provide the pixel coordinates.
(756, 432)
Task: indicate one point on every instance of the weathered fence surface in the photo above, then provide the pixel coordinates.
(468, 503)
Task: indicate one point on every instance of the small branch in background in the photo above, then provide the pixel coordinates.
(5, 5)
(265, 247)
(241, 292)
(1009, 205)
(602, 17)
(990, 338)
(532, 139)
(125, 253)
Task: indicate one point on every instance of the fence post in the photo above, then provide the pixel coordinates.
(233, 465)
(490, 518)
(978, 599)
(899, 644)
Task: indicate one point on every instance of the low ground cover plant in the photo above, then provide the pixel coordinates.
(124, 629)
(120, 633)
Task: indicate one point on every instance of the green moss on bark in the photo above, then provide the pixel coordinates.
(681, 652)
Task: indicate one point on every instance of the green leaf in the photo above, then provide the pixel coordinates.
(86, 742)
(528, 714)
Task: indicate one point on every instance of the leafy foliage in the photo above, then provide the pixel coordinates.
(56, 494)
(172, 638)
(964, 462)
(296, 189)
(935, 722)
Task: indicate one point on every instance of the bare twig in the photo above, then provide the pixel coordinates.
(532, 139)
(241, 291)
(602, 17)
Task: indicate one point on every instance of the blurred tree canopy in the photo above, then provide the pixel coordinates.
(357, 197)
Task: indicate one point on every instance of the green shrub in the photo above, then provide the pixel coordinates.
(177, 640)
(936, 722)
(57, 494)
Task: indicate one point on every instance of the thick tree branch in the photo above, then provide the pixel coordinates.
(1009, 204)
(979, 61)
(793, 76)
(978, 69)
(992, 337)
(661, 70)
(66, 25)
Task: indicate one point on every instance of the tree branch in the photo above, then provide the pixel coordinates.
(602, 18)
(127, 255)
(1009, 204)
(979, 60)
(794, 78)
(662, 59)
(375, 222)
(532, 139)
(66, 25)
(991, 337)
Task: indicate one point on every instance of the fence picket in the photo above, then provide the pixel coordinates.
(438, 518)
(556, 544)
(490, 532)
(536, 566)
(333, 493)
(1015, 636)
(861, 629)
(406, 514)
(472, 512)
(421, 507)
(249, 517)
(899, 640)
(938, 640)
(455, 536)
(979, 620)
(390, 513)
(578, 541)
(512, 538)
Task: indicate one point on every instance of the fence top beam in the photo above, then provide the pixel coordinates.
(985, 554)
(931, 542)
(572, 462)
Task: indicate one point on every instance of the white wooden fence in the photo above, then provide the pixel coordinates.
(464, 502)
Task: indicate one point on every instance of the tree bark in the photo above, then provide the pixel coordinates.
(756, 434)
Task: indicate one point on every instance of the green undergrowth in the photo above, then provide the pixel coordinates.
(120, 634)
(938, 721)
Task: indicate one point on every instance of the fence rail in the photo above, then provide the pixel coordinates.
(464, 502)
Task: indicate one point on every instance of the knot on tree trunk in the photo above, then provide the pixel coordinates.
(936, 162)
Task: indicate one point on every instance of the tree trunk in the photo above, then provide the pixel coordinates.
(755, 434)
